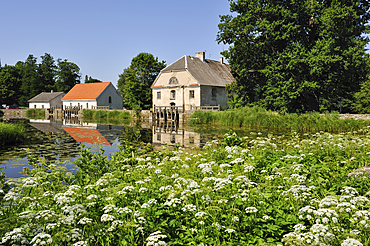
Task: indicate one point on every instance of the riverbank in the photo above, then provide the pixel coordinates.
(259, 117)
(239, 191)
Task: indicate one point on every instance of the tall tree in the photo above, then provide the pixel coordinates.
(67, 75)
(47, 72)
(9, 85)
(296, 55)
(29, 79)
(138, 78)
(121, 81)
(91, 80)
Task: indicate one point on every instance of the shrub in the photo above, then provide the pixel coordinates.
(88, 113)
(101, 114)
(259, 117)
(124, 115)
(11, 133)
(35, 112)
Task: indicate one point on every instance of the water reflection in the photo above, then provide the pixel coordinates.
(169, 133)
(60, 140)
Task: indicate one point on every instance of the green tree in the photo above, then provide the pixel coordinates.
(46, 72)
(29, 79)
(121, 81)
(67, 75)
(91, 80)
(362, 99)
(138, 78)
(9, 84)
(296, 55)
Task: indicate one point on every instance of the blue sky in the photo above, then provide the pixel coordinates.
(102, 37)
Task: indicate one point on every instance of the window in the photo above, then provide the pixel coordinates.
(191, 139)
(87, 105)
(158, 95)
(159, 137)
(173, 95)
(35, 105)
(173, 81)
(109, 99)
(191, 94)
(173, 139)
(214, 92)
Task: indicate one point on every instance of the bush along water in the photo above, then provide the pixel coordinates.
(259, 117)
(11, 133)
(35, 113)
(106, 114)
(239, 191)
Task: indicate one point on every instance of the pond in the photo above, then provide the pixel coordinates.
(59, 141)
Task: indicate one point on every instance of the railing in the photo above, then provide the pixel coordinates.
(213, 108)
(167, 112)
(68, 108)
(100, 107)
(168, 108)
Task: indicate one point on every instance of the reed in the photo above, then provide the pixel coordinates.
(11, 133)
(35, 112)
(88, 113)
(104, 114)
(259, 117)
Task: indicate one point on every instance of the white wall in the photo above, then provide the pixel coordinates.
(39, 105)
(86, 104)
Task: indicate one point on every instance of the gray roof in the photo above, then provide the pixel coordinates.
(45, 96)
(209, 72)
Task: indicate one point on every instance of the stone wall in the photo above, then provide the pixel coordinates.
(355, 116)
(14, 113)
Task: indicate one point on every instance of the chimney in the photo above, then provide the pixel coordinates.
(221, 60)
(201, 56)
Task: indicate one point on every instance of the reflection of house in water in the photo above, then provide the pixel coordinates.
(100, 134)
(81, 131)
(169, 133)
(47, 125)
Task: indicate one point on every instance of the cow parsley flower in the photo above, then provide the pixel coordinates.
(200, 214)
(155, 239)
(107, 217)
(351, 242)
(14, 237)
(80, 243)
(41, 239)
(229, 230)
(249, 210)
(84, 221)
(189, 207)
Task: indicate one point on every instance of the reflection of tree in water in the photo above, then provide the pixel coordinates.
(136, 134)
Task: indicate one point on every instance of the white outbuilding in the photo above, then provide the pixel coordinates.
(47, 100)
(93, 96)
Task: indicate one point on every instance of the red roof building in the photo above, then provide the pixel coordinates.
(93, 95)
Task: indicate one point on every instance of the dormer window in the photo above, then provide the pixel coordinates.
(173, 81)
